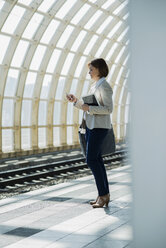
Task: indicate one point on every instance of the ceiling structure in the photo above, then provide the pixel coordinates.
(45, 46)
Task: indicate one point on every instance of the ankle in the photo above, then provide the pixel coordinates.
(104, 196)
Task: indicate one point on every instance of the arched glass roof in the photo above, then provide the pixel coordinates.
(45, 48)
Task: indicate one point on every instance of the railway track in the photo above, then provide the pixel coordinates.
(42, 173)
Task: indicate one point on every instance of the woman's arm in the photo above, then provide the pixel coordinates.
(77, 103)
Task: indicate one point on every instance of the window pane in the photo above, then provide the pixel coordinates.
(104, 25)
(32, 26)
(111, 72)
(11, 82)
(93, 19)
(128, 98)
(25, 2)
(119, 75)
(113, 31)
(42, 137)
(65, 36)
(46, 5)
(80, 116)
(101, 48)
(78, 41)
(46, 86)
(53, 61)
(114, 92)
(90, 45)
(1, 4)
(126, 119)
(127, 42)
(80, 13)
(67, 64)
(29, 84)
(4, 42)
(121, 95)
(107, 4)
(42, 118)
(26, 113)
(92, 1)
(126, 16)
(85, 88)
(38, 57)
(56, 135)
(125, 82)
(80, 66)
(116, 12)
(73, 86)
(111, 51)
(57, 113)
(25, 138)
(7, 140)
(120, 54)
(69, 135)
(118, 131)
(60, 88)
(70, 113)
(127, 107)
(50, 31)
(123, 34)
(126, 59)
(13, 20)
(19, 54)
(65, 8)
(7, 112)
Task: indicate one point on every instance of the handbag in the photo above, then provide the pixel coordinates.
(108, 145)
(81, 135)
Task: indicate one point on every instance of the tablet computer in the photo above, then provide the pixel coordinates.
(90, 100)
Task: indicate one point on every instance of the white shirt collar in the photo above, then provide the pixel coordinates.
(96, 84)
(100, 81)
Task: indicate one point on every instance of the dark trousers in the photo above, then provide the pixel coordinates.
(94, 139)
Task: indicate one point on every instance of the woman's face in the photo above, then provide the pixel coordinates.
(94, 72)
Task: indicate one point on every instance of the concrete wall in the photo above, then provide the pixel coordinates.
(148, 127)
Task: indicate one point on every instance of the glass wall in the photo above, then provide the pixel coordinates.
(45, 48)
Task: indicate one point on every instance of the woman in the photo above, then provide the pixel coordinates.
(98, 122)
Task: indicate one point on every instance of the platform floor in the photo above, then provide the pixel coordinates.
(60, 216)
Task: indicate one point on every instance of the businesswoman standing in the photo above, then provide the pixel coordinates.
(98, 123)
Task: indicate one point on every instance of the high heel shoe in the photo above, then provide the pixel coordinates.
(93, 202)
(102, 201)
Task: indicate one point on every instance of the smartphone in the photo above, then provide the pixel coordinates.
(69, 96)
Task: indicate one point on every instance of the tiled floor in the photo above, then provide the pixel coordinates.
(60, 217)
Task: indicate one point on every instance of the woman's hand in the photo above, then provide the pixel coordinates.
(85, 107)
(71, 98)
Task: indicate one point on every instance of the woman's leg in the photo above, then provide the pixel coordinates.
(94, 159)
(104, 173)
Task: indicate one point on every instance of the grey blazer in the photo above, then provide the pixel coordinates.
(99, 116)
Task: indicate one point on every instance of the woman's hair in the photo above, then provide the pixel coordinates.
(101, 65)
